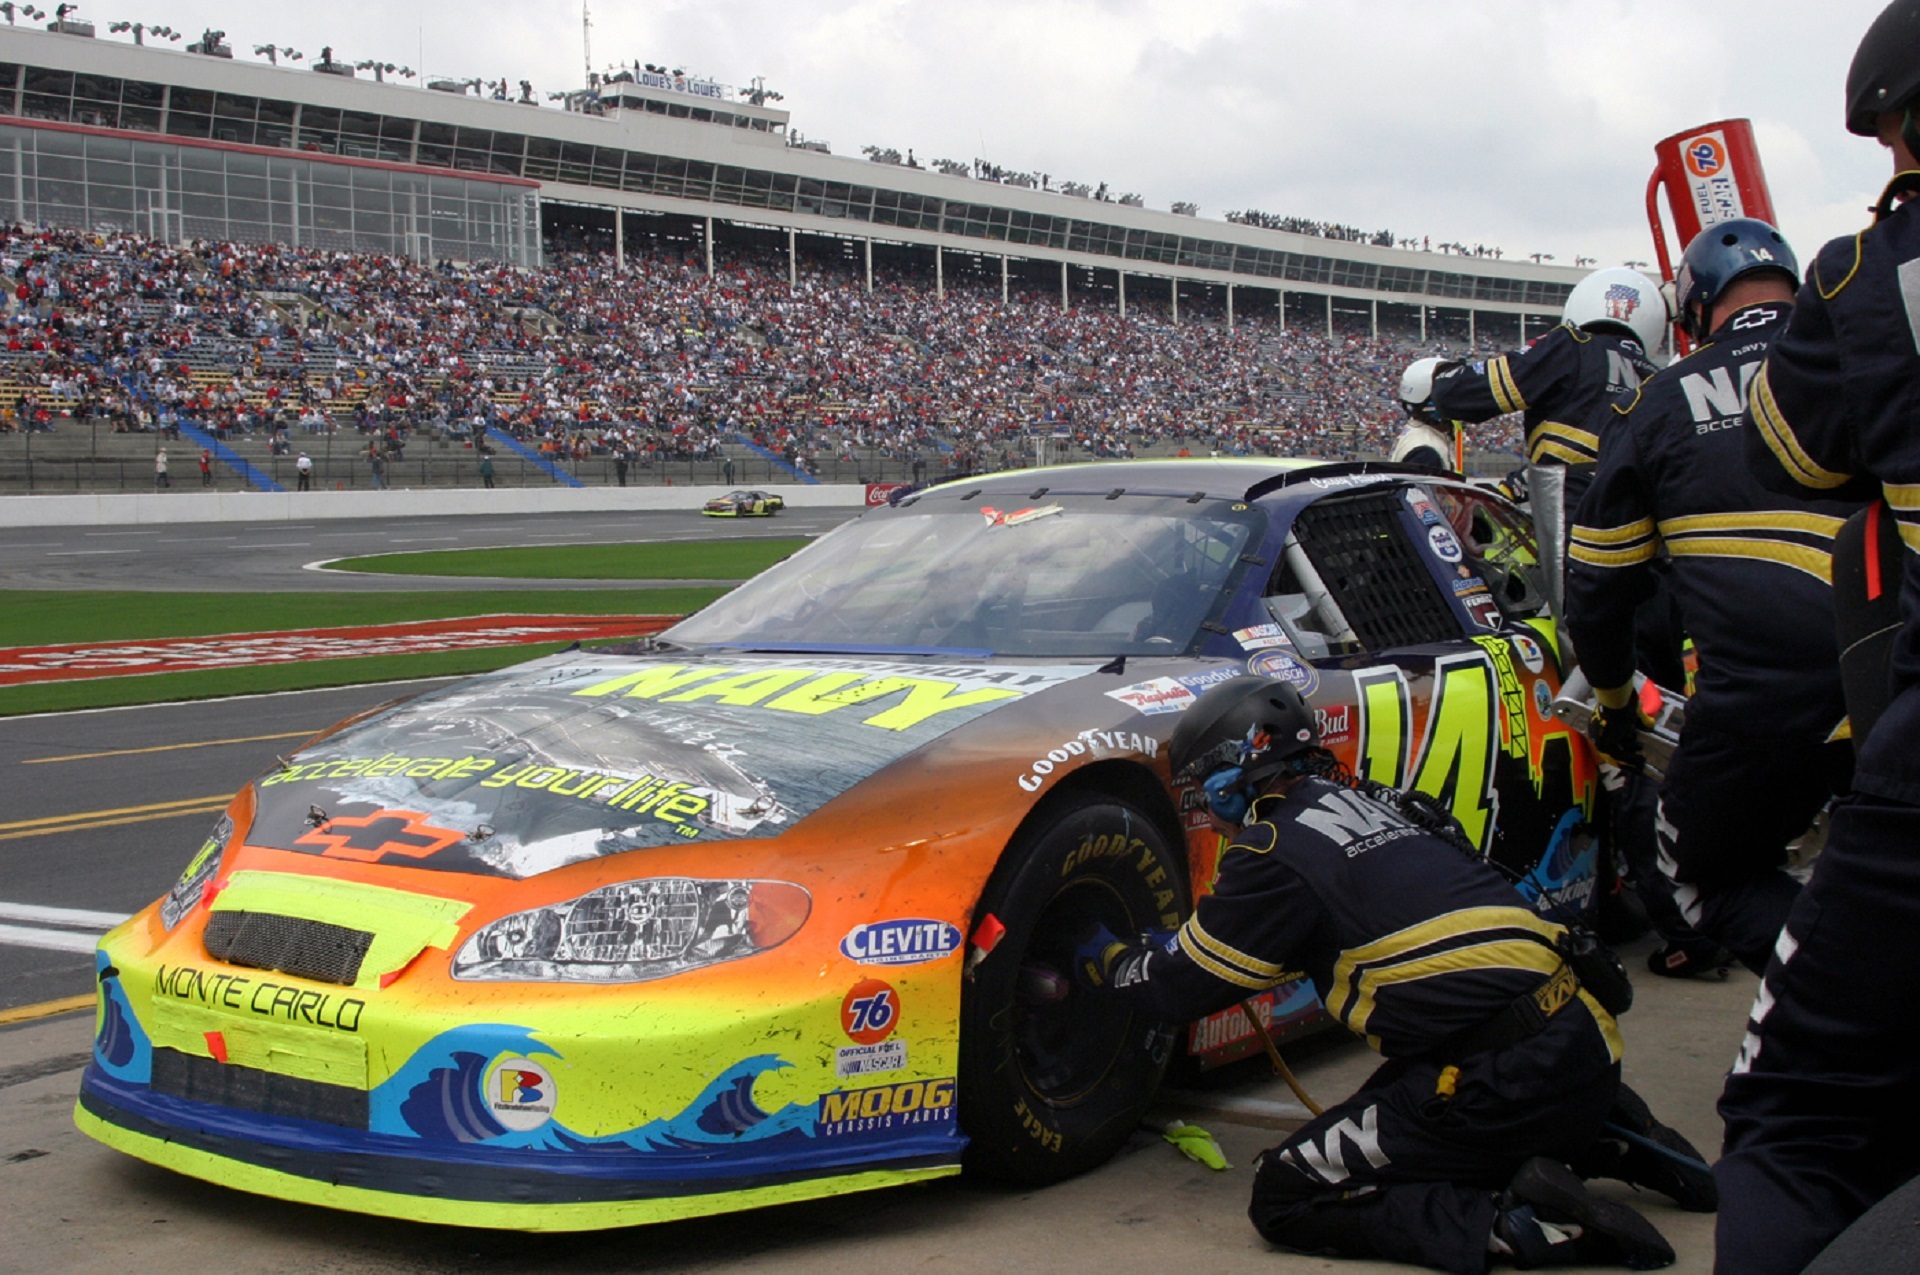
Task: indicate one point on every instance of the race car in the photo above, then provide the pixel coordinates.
(743, 504)
(761, 909)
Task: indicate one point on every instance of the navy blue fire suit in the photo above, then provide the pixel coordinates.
(1820, 1111)
(1750, 569)
(1411, 944)
(1559, 383)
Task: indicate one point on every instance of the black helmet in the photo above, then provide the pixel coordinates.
(1886, 67)
(1722, 253)
(1256, 723)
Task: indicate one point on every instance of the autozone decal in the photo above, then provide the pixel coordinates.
(24, 664)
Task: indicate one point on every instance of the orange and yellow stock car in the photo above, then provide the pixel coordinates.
(753, 911)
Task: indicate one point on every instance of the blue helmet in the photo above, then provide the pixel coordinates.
(1720, 254)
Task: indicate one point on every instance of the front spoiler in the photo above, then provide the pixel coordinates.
(505, 1193)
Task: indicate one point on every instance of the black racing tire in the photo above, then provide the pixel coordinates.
(1051, 1085)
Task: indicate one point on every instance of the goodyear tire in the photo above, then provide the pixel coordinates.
(1052, 1085)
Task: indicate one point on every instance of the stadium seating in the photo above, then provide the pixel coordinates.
(108, 339)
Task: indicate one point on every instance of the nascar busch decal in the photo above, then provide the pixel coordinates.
(902, 942)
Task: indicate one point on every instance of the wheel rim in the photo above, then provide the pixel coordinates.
(1064, 1048)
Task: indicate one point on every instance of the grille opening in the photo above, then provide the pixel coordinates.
(288, 945)
(1374, 573)
(197, 1079)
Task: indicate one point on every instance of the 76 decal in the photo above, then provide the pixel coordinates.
(868, 1015)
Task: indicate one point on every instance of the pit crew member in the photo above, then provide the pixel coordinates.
(1560, 381)
(1758, 757)
(1501, 1066)
(1427, 439)
(1819, 1106)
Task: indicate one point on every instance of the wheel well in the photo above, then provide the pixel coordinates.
(1125, 780)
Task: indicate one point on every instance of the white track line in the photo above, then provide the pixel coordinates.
(47, 940)
(60, 916)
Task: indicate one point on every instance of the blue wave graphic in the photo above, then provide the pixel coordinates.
(449, 1103)
(440, 1095)
(121, 1049)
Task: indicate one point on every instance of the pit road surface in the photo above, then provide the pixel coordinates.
(74, 1206)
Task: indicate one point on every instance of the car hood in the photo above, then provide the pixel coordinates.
(582, 755)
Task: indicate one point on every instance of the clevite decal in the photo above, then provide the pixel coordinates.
(900, 942)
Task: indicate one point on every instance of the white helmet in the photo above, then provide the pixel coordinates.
(1417, 440)
(1416, 383)
(1622, 297)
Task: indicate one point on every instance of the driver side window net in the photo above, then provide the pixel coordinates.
(1351, 580)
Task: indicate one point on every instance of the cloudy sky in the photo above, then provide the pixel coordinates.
(1524, 123)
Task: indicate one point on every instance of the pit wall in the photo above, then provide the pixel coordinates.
(88, 509)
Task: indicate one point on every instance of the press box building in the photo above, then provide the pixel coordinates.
(195, 145)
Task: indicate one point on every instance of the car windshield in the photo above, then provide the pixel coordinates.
(959, 570)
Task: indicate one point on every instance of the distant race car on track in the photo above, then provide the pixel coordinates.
(743, 504)
(751, 912)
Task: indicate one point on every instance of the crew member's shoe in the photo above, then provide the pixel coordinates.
(1696, 959)
(1547, 1218)
(1637, 1149)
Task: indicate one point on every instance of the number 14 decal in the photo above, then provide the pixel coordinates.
(1456, 756)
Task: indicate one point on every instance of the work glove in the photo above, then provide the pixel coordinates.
(1094, 959)
(1615, 732)
(1515, 485)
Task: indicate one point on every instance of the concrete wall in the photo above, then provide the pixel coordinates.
(91, 509)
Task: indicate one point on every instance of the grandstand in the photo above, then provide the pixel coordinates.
(268, 260)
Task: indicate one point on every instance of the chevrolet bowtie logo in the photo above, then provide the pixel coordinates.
(365, 838)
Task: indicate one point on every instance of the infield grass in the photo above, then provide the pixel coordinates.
(43, 618)
(731, 559)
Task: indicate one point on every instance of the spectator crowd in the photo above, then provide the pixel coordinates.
(656, 360)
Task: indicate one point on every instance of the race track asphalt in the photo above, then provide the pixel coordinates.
(281, 557)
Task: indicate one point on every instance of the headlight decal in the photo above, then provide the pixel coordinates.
(635, 931)
(200, 871)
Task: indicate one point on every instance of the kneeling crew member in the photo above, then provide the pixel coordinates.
(1500, 1066)
(1750, 570)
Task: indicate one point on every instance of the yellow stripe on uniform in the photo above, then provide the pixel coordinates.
(1755, 520)
(1505, 954)
(1609, 1030)
(1600, 537)
(1815, 562)
(1780, 439)
(1911, 535)
(1581, 438)
(1219, 969)
(1646, 551)
(1904, 497)
(1506, 391)
(1545, 447)
(1463, 923)
(1230, 955)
